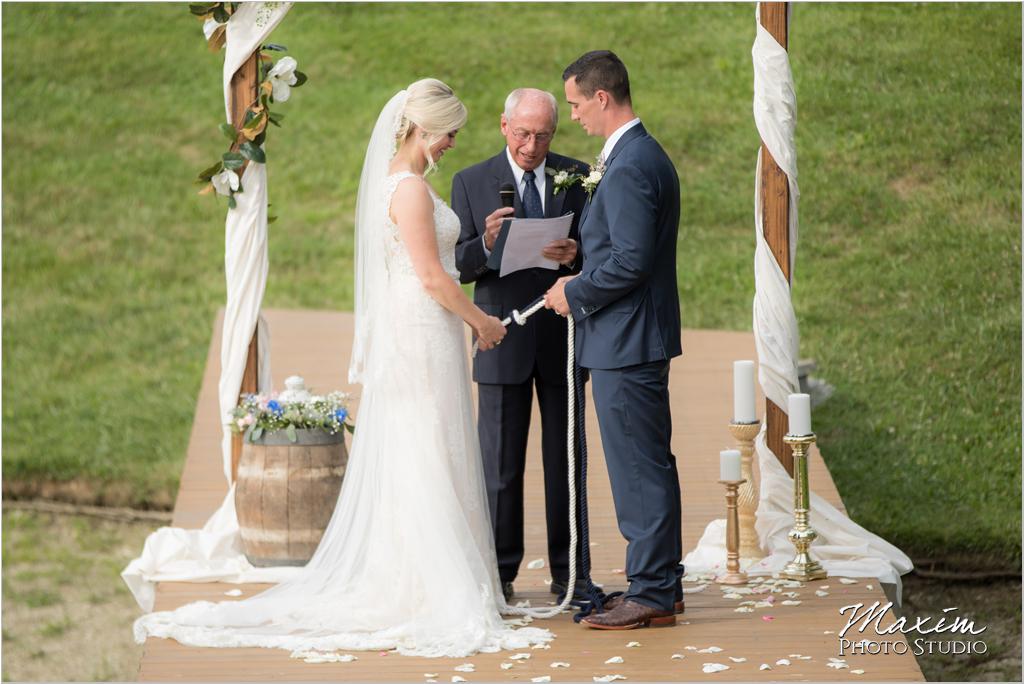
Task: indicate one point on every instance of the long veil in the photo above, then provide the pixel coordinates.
(371, 268)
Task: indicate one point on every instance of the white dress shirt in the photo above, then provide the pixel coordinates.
(609, 144)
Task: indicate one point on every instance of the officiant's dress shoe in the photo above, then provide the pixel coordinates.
(679, 606)
(630, 615)
(507, 591)
(558, 587)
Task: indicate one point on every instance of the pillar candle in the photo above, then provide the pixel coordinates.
(799, 414)
(743, 408)
(730, 465)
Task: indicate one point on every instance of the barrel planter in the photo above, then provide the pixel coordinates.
(285, 494)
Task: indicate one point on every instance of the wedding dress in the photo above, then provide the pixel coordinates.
(407, 561)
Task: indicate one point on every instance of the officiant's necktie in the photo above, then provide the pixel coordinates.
(531, 198)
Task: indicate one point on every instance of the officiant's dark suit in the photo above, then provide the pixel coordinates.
(530, 356)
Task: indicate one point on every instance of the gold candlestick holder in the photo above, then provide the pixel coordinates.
(733, 574)
(744, 434)
(803, 567)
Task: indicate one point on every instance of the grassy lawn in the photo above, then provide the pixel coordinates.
(907, 283)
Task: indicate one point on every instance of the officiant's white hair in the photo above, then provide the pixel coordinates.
(433, 108)
(517, 95)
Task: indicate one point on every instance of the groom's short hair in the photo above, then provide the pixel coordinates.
(600, 70)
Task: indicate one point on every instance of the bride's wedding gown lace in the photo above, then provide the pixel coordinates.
(407, 561)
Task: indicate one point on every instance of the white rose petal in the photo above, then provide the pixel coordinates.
(711, 668)
(633, 644)
(678, 656)
(819, 592)
(457, 678)
(765, 666)
(507, 666)
(856, 671)
(697, 589)
(737, 660)
(519, 656)
(710, 649)
(609, 678)
(847, 580)
(535, 564)
(838, 666)
(614, 660)
(869, 587)
(732, 595)
(791, 603)
(560, 664)
(836, 660)
(233, 592)
(225, 181)
(828, 631)
(545, 678)
(465, 667)
(430, 674)
(782, 661)
(541, 646)
(690, 648)
(743, 609)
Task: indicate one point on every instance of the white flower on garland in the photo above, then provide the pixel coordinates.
(226, 182)
(283, 77)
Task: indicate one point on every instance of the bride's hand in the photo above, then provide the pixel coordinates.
(490, 333)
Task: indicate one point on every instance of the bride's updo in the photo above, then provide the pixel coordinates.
(433, 108)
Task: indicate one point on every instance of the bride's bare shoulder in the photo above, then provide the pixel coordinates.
(412, 198)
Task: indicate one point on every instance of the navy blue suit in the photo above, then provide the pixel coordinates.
(625, 304)
(529, 356)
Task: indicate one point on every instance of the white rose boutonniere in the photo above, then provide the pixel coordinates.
(563, 179)
(596, 174)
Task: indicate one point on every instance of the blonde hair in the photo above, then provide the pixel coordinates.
(433, 108)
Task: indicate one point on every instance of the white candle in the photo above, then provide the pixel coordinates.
(730, 465)
(799, 414)
(743, 408)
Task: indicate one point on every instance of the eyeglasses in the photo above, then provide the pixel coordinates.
(524, 136)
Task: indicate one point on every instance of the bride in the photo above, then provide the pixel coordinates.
(407, 561)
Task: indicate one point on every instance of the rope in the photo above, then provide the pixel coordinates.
(593, 598)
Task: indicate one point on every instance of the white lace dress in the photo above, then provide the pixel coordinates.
(407, 561)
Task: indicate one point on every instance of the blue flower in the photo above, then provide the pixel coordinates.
(341, 414)
(274, 406)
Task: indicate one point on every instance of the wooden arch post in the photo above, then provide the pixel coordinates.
(244, 91)
(775, 203)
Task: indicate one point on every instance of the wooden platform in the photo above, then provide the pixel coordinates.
(315, 344)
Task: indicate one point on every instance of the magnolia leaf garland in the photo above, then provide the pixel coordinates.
(276, 80)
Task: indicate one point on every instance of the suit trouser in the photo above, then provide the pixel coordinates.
(503, 426)
(636, 431)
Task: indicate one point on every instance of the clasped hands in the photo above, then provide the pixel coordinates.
(562, 251)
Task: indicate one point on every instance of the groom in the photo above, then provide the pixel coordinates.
(625, 304)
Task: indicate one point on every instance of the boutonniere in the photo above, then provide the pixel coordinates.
(563, 179)
(596, 173)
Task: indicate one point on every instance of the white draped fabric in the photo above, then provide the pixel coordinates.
(843, 547)
(214, 552)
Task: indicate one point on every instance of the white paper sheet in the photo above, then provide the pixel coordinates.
(527, 238)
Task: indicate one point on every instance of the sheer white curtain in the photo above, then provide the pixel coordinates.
(843, 547)
(214, 553)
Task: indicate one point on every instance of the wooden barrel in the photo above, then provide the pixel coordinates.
(285, 494)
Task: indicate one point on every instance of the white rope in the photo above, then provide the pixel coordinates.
(520, 319)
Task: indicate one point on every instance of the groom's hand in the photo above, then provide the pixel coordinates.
(562, 251)
(555, 297)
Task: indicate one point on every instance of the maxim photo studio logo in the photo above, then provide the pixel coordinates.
(946, 634)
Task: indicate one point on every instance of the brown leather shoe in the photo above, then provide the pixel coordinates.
(630, 614)
(679, 606)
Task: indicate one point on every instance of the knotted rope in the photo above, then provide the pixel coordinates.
(593, 598)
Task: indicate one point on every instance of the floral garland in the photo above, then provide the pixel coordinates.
(257, 414)
(276, 79)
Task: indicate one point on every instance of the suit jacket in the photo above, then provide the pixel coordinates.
(542, 341)
(626, 300)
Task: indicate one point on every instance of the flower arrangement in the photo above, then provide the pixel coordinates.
(563, 179)
(596, 174)
(276, 79)
(258, 413)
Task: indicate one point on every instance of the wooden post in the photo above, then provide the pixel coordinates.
(775, 203)
(244, 89)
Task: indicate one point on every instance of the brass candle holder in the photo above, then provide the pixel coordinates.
(744, 434)
(733, 574)
(803, 567)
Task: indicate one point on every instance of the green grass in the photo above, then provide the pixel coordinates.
(908, 279)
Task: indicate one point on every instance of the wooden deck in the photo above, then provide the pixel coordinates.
(315, 344)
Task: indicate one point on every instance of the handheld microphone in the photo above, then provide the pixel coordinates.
(508, 195)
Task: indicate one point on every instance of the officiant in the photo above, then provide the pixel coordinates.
(531, 357)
